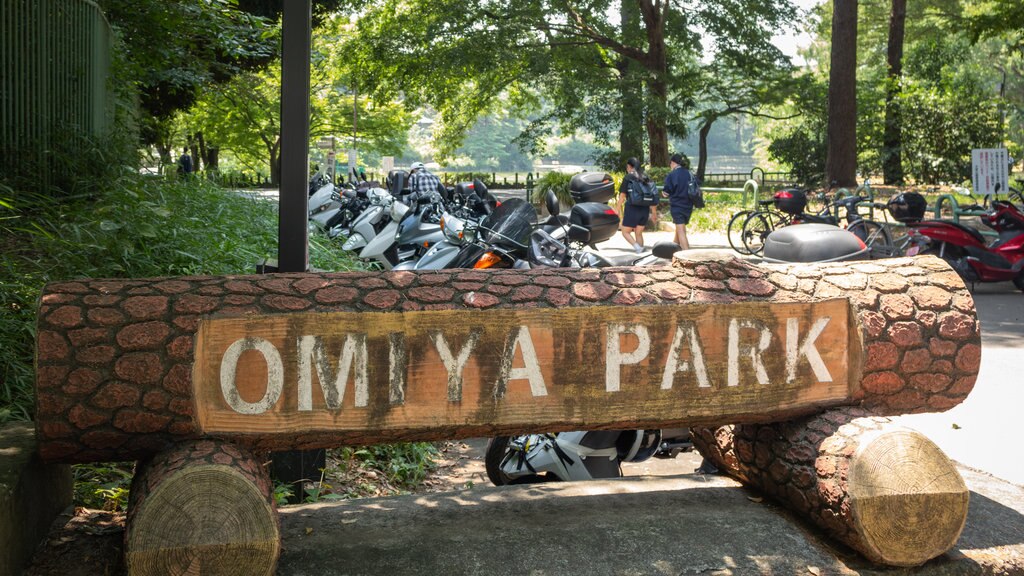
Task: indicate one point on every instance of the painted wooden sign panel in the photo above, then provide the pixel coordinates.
(572, 367)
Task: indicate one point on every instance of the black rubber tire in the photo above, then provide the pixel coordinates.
(735, 231)
(1016, 197)
(497, 448)
(876, 237)
(756, 228)
(1019, 281)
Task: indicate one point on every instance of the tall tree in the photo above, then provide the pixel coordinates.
(841, 159)
(573, 53)
(631, 132)
(892, 146)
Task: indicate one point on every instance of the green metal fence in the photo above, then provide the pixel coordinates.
(54, 72)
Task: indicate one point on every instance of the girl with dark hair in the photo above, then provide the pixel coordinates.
(634, 218)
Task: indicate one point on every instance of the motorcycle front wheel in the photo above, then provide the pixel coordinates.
(498, 450)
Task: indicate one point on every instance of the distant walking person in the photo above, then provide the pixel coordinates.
(185, 164)
(634, 218)
(677, 189)
(421, 181)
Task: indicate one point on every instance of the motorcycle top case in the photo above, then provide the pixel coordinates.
(813, 243)
(600, 222)
(592, 187)
(907, 207)
(791, 201)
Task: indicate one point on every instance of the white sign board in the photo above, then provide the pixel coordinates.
(990, 169)
(388, 164)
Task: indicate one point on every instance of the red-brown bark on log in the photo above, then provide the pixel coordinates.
(115, 357)
(886, 491)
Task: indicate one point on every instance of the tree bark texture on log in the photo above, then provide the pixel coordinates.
(203, 507)
(115, 357)
(886, 491)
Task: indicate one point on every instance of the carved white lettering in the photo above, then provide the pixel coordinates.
(454, 365)
(614, 357)
(688, 332)
(332, 382)
(229, 375)
(520, 340)
(735, 350)
(796, 349)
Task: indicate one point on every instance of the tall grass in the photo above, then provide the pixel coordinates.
(135, 227)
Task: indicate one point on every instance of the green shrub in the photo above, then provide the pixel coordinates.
(135, 227)
(556, 182)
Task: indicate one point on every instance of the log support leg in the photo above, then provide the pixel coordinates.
(886, 491)
(203, 507)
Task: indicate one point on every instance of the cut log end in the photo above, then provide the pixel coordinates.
(192, 515)
(886, 491)
(909, 501)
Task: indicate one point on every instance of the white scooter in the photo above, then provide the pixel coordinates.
(581, 455)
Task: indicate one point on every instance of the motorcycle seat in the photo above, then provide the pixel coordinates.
(965, 229)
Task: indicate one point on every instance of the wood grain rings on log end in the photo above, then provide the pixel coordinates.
(908, 498)
(203, 519)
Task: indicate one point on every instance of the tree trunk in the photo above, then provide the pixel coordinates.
(702, 157)
(202, 508)
(892, 147)
(203, 154)
(631, 133)
(116, 374)
(886, 491)
(841, 161)
(657, 89)
(275, 163)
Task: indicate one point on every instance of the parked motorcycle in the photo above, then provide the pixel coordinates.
(973, 257)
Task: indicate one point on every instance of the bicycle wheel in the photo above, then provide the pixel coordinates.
(876, 238)
(1016, 197)
(756, 228)
(735, 231)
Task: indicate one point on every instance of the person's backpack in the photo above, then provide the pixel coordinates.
(695, 193)
(643, 193)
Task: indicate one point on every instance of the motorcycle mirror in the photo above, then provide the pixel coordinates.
(551, 202)
(362, 173)
(479, 187)
(665, 250)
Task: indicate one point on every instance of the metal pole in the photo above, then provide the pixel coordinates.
(296, 41)
(293, 235)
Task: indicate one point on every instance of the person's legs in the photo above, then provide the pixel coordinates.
(640, 235)
(681, 239)
(627, 233)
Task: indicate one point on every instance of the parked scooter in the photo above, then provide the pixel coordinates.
(973, 257)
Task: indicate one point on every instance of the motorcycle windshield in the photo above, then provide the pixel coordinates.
(510, 224)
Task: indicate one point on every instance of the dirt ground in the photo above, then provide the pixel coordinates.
(88, 542)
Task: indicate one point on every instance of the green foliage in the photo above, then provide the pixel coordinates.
(404, 464)
(138, 227)
(557, 182)
(565, 64)
(175, 48)
(242, 116)
(103, 486)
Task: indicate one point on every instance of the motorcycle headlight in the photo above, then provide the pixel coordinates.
(354, 242)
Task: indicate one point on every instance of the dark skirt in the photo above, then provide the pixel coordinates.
(635, 216)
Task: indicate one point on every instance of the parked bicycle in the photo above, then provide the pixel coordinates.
(787, 208)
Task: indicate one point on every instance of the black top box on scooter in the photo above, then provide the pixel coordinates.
(813, 243)
(592, 222)
(791, 201)
(907, 207)
(592, 187)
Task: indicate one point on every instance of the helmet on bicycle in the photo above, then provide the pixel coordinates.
(907, 207)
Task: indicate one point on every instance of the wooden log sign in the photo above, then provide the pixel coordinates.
(127, 368)
(575, 367)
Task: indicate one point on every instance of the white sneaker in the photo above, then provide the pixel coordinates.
(639, 248)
